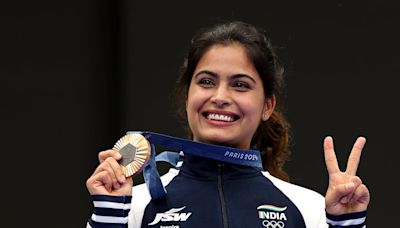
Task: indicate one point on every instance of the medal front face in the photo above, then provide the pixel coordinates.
(135, 151)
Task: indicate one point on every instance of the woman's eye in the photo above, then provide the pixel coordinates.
(206, 82)
(242, 85)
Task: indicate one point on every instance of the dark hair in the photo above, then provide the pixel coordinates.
(272, 136)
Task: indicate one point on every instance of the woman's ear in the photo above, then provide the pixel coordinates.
(269, 106)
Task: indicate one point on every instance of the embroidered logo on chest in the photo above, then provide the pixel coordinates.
(272, 216)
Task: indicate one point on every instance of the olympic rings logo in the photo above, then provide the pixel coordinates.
(273, 224)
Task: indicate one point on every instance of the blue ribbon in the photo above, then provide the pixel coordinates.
(220, 153)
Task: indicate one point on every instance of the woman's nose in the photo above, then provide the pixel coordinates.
(221, 97)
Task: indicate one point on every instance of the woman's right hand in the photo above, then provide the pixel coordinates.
(109, 178)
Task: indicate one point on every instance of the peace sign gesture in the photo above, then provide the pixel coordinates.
(346, 193)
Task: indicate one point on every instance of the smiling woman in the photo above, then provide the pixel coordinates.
(218, 106)
(229, 94)
(241, 53)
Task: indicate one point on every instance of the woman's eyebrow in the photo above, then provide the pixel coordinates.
(238, 76)
(210, 73)
(233, 77)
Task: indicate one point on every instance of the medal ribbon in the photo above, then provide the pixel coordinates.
(231, 155)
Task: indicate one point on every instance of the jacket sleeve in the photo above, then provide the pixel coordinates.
(353, 220)
(109, 211)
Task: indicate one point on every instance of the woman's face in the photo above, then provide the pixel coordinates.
(226, 99)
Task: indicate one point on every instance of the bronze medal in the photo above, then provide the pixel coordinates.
(135, 151)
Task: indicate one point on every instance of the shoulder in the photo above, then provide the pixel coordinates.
(293, 190)
(141, 197)
(140, 193)
(310, 203)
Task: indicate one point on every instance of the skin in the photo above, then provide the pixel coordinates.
(226, 82)
(108, 178)
(346, 193)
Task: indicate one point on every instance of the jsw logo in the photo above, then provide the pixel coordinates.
(171, 215)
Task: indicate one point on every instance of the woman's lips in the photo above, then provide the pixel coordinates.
(219, 116)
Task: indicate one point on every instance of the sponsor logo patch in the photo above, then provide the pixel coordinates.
(171, 215)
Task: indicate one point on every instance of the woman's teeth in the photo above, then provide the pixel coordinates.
(219, 117)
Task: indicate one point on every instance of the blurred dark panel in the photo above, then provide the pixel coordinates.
(58, 109)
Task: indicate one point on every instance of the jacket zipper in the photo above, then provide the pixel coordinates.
(221, 196)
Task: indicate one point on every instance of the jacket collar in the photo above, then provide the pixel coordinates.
(209, 169)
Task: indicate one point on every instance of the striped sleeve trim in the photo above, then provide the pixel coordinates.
(109, 219)
(115, 199)
(356, 220)
(92, 224)
(103, 204)
(110, 211)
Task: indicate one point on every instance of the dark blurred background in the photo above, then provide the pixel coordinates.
(76, 75)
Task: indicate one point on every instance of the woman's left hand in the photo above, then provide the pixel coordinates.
(346, 193)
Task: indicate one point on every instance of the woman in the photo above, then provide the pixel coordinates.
(231, 83)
